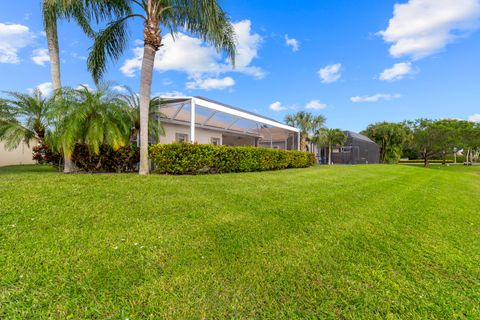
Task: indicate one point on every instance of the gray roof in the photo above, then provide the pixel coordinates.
(358, 136)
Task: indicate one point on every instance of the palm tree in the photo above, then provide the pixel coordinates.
(82, 11)
(24, 117)
(91, 117)
(204, 18)
(330, 137)
(307, 123)
(155, 127)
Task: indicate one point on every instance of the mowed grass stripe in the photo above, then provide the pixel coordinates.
(335, 242)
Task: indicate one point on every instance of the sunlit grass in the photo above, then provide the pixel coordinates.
(333, 242)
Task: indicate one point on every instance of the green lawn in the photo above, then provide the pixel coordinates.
(346, 242)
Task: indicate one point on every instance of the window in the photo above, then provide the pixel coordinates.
(215, 141)
(181, 137)
(346, 149)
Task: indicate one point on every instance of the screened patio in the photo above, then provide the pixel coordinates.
(201, 120)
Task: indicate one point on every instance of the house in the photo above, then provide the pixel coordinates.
(205, 121)
(358, 149)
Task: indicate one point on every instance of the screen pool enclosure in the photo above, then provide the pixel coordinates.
(205, 121)
(358, 149)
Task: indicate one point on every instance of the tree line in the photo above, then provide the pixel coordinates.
(426, 139)
(423, 139)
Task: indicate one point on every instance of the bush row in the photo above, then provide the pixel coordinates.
(108, 160)
(185, 158)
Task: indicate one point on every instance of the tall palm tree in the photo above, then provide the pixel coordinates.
(204, 18)
(91, 117)
(330, 138)
(24, 117)
(155, 127)
(307, 123)
(82, 11)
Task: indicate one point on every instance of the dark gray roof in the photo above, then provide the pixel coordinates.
(358, 136)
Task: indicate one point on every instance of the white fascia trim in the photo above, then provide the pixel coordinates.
(241, 114)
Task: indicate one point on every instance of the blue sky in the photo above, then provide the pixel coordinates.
(356, 62)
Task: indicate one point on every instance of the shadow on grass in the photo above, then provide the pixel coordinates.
(27, 169)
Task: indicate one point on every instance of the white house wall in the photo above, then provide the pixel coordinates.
(202, 136)
(20, 155)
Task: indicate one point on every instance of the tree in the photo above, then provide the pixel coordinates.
(330, 138)
(204, 18)
(155, 127)
(91, 117)
(391, 137)
(308, 125)
(82, 11)
(426, 139)
(24, 117)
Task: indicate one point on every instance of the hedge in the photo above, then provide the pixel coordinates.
(108, 160)
(185, 158)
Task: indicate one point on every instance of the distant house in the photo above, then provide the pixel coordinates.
(205, 121)
(23, 154)
(358, 149)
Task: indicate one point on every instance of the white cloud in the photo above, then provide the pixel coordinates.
(199, 60)
(40, 56)
(120, 89)
(375, 98)
(83, 86)
(293, 43)
(210, 83)
(397, 72)
(45, 88)
(330, 73)
(170, 94)
(277, 106)
(474, 118)
(13, 37)
(315, 105)
(420, 28)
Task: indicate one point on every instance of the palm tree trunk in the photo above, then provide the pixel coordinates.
(303, 146)
(54, 52)
(52, 39)
(329, 154)
(145, 91)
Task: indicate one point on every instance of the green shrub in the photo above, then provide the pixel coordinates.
(108, 160)
(185, 158)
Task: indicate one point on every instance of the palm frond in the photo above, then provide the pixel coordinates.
(109, 43)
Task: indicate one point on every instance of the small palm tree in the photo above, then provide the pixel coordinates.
(203, 18)
(155, 127)
(24, 117)
(307, 123)
(82, 11)
(330, 138)
(91, 117)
